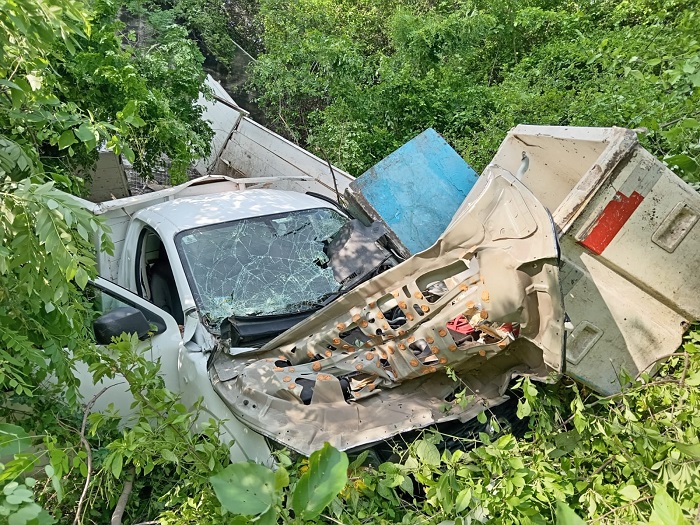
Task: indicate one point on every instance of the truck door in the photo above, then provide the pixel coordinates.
(164, 344)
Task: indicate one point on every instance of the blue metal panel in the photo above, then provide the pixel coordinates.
(417, 189)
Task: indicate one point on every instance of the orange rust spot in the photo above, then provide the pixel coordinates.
(363, 323)
(414, 362)
(429, 340)
(380, 315)
(346, 346)
(402, 333)
(442, 360)
(336, 341)
(269, 360)
(411, 339)
(359, 366)
(409, 316)
(402, 346)
(402, 305)
(323, 377)
(463, 287)
(368, 343)
(286, 379)
(278, 369)
(291, 369)
(435, 350)
(482, 353)
(432, 369)
(372, 387)
(340, 326)
(382, 355)
(369, 356)
(328, 353)
(485, 296)
(484, 314)
(418, 295)
(442, 332)
(372, 304)
(379, 364)
(310, 353)
(395, 293)
(470, 304)
(351, 348)
(385, 327)
(356, 318)
(292, 386)
(452, 348)
(391, 350)
(316, 366)
(425, 307)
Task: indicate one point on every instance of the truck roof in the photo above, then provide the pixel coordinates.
(172, 217)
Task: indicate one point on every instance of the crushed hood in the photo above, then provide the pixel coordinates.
(484, 300)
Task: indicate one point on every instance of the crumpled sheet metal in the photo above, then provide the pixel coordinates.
(495, 267)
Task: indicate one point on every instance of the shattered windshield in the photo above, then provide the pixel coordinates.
(267, 265)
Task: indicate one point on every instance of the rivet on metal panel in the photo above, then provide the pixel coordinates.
(316, 366)
(310, 354)
(411, 339)
(470, 304)
(452, 348)
(418, 295)
(485, 296)
(336, 341)
(363, 323)
(328, 353)
(429, 340)
(463, 287)
(372, 305)
(380, 315)
(291, 369)
(409, 316)
(369, 356)
(359, 366)
(425, 308)
(435, 350)
(402, 346)
(402, 305)
(442, 360)
(286, 379)
(482, 353)
(356, 318)
(442, 332)
(292, 386)
(484, 314)
(414, 362)
(341, 326)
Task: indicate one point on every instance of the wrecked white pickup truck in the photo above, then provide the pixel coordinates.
(295, 319)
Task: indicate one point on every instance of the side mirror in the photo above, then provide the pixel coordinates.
(124, 319)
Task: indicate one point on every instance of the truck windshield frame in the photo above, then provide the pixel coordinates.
(261, 266)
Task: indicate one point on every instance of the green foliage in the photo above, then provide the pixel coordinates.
(257, 494)
(355, 82)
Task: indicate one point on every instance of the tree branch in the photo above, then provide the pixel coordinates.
(118, 513)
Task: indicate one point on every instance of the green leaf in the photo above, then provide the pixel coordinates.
(13, 439)
(685, 163)
(117, 465)
(428, 453)
(66, 139)
(281, 478)
(665, 511)
(566, 515)
(692, 450)
(629, 492)
(481, 417)
(524, 409)
(169, 455)
(326, 477)
(85, 133)
(245, 488)
(81, 278)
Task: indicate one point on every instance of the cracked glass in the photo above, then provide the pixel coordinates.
(270, 265)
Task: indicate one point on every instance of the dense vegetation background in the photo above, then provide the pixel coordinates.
(352, 80)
